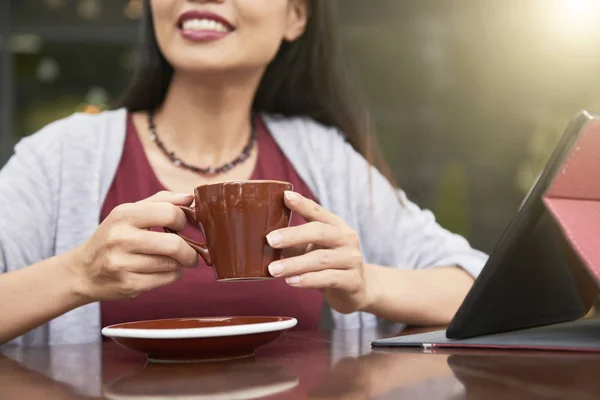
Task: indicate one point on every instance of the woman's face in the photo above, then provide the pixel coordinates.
(213, 36)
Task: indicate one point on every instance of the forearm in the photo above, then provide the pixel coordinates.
(32, 296)
(416, 297)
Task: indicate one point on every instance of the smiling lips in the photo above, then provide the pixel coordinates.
(200, 26)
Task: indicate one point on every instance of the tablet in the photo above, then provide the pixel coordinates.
(532, 278)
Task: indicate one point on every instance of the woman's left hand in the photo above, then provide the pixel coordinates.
(322, 254)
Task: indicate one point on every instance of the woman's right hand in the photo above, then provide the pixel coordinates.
(124, 258)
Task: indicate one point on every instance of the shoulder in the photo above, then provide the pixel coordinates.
(320, 153)
(79, 130)
(305, 133)
(320, 150)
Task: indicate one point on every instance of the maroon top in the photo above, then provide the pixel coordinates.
(198, 294)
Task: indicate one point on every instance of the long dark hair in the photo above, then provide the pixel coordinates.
(307, 78)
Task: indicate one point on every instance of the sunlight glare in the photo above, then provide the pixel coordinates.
(577, 17)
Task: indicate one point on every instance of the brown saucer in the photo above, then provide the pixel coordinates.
(199, 339)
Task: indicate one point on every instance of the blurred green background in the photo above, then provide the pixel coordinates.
(469, 96)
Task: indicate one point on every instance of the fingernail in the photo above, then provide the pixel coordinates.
(274, 239)
(183, 194)
(292, 196)
(276, 268)
(294, 280)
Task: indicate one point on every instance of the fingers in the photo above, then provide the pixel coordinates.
(318, 233)
(324, 229)
(141, 283)
(159, 244)
(345, 280)
(158, 280)
(149, 264)
(310, 210)
(148, 214)
(166, 244)
(179, 199)
(295, 251)
(128, 240)
(317, 260)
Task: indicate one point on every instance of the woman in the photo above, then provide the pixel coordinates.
(225, 90)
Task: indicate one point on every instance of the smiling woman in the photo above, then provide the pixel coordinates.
(225, 90)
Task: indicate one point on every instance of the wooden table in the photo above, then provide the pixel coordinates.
(314, 365)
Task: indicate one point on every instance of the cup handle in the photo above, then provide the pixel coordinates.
(201, 248)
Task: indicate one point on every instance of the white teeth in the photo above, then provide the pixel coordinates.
(203, 25)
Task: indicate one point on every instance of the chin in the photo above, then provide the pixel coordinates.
(214, 67)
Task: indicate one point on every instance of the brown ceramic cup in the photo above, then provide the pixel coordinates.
(236, 217)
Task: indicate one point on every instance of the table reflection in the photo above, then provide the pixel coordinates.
(247, 379)
(527, 375)
(299, 365)
(385, 374)
(18, 382)
(318, 365)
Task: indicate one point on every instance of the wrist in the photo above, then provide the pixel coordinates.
(72, 264)
(371, 289)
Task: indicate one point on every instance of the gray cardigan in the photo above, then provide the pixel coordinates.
(52, 190)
